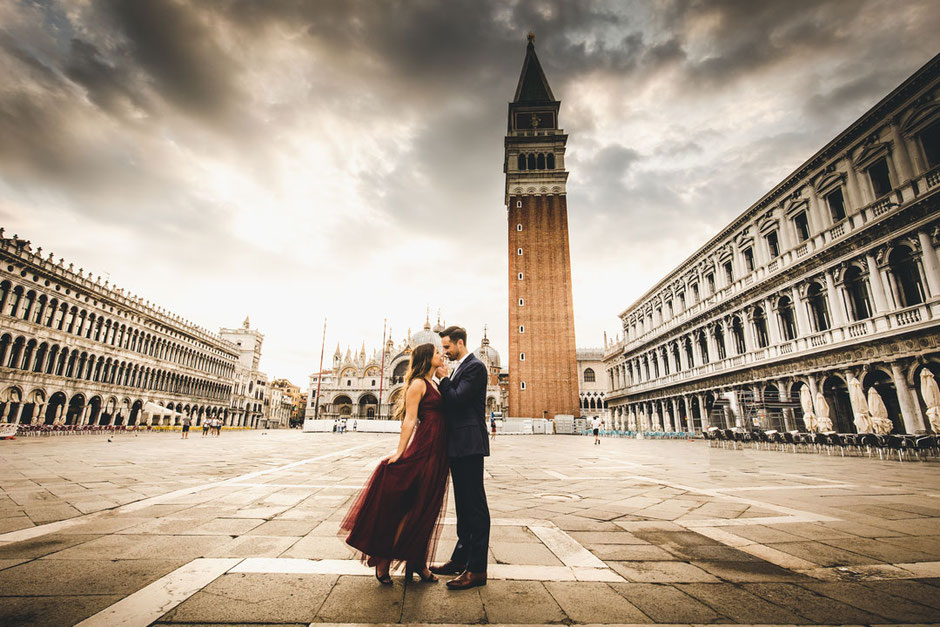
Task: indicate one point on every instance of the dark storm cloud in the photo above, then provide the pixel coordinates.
(176, 45)
(108, 86)
(191, 126)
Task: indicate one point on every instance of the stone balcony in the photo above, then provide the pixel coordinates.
(865, 218)
(880, 325)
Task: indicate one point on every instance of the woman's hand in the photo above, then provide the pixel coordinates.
(441, 372)
(393, 458)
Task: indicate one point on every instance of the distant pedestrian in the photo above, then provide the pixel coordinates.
(216, 427)
(492, 428)
(187, 421)
(355, 424)
(205, 426)
(596, 426)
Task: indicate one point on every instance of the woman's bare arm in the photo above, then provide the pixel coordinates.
(413, 398)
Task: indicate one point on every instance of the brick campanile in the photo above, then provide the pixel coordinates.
(543, 373)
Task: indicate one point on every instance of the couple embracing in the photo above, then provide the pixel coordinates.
(397, 516)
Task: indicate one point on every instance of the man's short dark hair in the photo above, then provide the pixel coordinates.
(455, 333)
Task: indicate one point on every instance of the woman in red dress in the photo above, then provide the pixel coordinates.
(397, 515)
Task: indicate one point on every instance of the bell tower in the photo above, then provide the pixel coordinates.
(543, 373)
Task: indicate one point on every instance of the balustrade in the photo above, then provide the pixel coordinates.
(908, 316)
(858, 329)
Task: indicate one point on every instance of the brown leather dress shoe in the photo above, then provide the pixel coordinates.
(467, 580)
(448, 568)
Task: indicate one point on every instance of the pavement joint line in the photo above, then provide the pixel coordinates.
(156, 599)
(567, 549)
(41, 530)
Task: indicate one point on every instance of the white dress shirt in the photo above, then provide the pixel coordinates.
(459, 362)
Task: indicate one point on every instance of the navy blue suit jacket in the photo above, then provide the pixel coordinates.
(465, 409)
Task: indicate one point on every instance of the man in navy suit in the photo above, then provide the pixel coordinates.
(464, 394)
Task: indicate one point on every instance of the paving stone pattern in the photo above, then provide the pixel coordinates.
(623, 533)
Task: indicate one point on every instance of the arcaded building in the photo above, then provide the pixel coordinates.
(75, 350)
(542, 362)
(829, 281)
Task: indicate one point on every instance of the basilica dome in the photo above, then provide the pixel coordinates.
(425, 336)
(487, 354)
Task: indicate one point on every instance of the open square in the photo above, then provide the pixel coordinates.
(157, 530)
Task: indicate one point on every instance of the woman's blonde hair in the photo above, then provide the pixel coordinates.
(418, 368)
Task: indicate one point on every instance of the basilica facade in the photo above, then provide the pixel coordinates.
(361, 385)
(821, 298)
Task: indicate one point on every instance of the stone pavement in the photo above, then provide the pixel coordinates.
(243, 530)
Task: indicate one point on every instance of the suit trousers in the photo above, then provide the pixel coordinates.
(473, 514)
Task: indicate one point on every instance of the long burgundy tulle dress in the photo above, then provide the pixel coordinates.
(398, 514)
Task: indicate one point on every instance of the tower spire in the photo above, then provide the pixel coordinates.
(533, 86)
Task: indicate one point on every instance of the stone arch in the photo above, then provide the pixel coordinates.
(342, 405)
(75, 408)
(368, 405)
(55, 407)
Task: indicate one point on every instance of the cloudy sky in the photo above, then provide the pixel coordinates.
(294, 160)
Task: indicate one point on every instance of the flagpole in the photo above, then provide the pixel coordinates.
(316, 401)
(382, 371)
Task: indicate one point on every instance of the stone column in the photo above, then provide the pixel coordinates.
(750, 334)
(83, 419)
(930, 263)
(784, 239)
(818, 214)
(913, 422)
(836, 308)
(724, 341)
(696, 351)
(900, 156)
(853, 189)
(703, 414)
(877, 287)
(771, 321)
(799, 308)
(784, 397)
(894, 301)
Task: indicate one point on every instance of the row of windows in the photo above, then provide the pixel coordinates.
(649, 321)
(536, 161)
(53, 313)
(42, 358)
(877, 176)
(704, 344)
